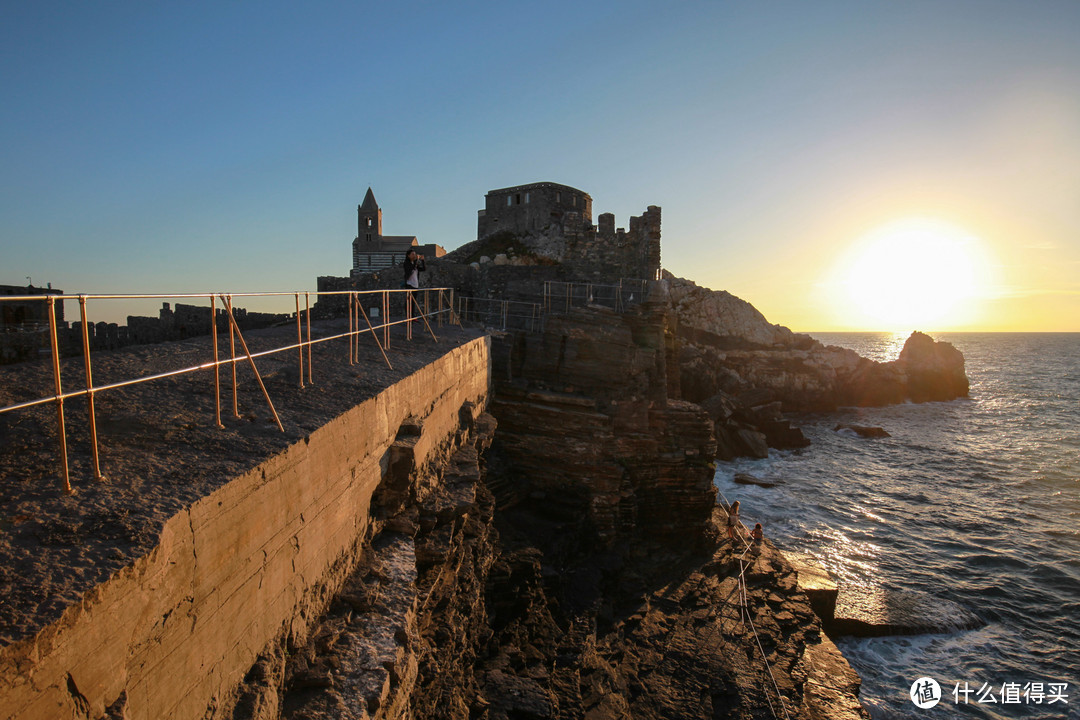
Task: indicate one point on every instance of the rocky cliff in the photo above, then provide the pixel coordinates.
(573, 569)
(747, 372)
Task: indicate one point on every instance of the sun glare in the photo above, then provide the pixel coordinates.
(912, 274)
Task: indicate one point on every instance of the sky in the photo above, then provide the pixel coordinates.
(166, 147)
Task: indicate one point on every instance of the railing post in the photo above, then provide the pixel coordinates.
(350, 297)
(386, 318)
(307, 315)
(61, 430)
(217, 368)
(232, 358)
(90, 391)
(356, 338)
(299, 340)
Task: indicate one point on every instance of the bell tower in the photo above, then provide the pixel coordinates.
(369, 221)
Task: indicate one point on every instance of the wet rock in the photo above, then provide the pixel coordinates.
(781, 435)
(862, 430)
(748, 479)
(815, 581)
(872, 612)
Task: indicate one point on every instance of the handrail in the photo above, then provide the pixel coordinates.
(445, 306)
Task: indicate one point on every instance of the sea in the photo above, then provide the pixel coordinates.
(971, 504)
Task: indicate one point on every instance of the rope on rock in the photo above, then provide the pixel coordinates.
(745, 611)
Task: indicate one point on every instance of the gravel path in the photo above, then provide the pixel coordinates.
(159, 449)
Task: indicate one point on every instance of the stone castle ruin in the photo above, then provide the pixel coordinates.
(555, 222)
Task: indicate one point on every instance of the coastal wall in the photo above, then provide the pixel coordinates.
(174, 633)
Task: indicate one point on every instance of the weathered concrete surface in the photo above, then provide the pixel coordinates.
(172, 634)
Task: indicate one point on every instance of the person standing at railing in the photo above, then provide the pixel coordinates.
(413, 265)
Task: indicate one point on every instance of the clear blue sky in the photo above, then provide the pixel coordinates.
(198, 146)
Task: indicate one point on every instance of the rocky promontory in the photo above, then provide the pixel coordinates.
(747, 372)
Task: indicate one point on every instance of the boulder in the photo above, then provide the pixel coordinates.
(935, 370)
(864, 611)
(781, 435)
(752, 443)
(719, 406)
(814, 580)
(863, 430)
(748, 479)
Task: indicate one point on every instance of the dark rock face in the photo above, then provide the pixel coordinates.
(651, 635)
(585, 417)
(935, 370)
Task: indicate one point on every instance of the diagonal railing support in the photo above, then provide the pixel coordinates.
(423, 317)
(232, 323)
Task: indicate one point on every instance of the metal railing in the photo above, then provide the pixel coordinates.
(558, 298)
(432, 303)
(501, 314)
(562, 296)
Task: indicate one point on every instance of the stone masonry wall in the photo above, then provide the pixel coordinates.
(173, 634)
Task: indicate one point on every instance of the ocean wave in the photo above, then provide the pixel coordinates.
(976, 502)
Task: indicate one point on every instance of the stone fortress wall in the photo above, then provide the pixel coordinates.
(27, 338)
(175, 633)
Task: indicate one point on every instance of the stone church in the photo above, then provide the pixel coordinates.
(374, 251)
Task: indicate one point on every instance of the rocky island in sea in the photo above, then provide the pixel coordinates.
(566, 557)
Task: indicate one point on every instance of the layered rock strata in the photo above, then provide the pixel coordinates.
(571, 571)
(586, 421)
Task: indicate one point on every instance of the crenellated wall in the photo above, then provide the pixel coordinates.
(173, 634)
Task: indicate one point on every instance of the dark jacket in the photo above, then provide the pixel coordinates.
(409, 266)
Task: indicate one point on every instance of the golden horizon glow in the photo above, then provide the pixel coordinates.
(913, 273)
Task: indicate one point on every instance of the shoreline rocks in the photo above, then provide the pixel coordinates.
(747, 372)
(862, 430)
(748, 479)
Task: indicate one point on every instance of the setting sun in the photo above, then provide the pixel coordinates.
(912, 273)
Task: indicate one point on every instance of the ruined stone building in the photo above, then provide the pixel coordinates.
(374, 251)
(532, 208)
(555, 221)
(17, 315)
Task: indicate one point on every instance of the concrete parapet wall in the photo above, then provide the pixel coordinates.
(172, 635)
